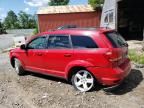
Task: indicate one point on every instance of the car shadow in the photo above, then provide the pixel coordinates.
(131, 82)
(47, 77)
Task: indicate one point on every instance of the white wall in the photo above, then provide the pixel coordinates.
(110, 6)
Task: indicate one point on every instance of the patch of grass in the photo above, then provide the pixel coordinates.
(135, 57)
(35, 31)
(141, 60)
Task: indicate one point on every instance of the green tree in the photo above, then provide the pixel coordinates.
(95, 3)
(23, 19)
(2, 29)
(11, 21)
(0, 24)
(35, 30)
(58, 2)
(32, 21)
(26, 21)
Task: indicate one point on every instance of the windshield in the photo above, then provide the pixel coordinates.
(116, 39)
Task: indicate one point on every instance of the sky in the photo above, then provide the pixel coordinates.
(29, 6)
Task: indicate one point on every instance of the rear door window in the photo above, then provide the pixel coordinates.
(83, 42)
(58, 42)
(116, 40)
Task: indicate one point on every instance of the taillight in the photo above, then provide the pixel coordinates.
(113, 57)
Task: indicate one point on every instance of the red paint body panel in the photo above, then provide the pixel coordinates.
(111, 76)
(59, 62)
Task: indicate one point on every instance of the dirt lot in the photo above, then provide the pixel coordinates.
(38, 91)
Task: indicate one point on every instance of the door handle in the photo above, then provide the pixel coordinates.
(39, 54)
(67, 55)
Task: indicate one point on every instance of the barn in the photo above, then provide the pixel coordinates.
(52, 17)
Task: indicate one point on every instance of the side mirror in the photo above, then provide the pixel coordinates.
(23, 47)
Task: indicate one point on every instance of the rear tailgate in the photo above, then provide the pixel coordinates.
(119, 47)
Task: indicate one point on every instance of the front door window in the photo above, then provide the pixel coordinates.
(38, 43)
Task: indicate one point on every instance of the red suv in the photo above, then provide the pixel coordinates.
(79, 55)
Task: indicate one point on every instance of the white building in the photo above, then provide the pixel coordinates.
(126, 16)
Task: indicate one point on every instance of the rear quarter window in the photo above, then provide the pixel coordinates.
(116, 39)
(83, 42)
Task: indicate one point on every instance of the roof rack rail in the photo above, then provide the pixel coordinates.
(66, 27)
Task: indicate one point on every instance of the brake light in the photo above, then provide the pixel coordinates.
(113, 57)
(108, 53)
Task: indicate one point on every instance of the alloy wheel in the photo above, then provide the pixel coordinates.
(83, 80)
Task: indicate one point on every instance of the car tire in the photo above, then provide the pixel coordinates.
(18, 67)
(83, 81)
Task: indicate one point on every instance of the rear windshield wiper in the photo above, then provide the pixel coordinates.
(125, 44)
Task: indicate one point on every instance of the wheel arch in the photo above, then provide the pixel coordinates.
(12, 60)
(73, 70)
(75, 65)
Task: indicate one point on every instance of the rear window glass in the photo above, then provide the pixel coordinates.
(83, 42)
(58, 42)
(116, 39)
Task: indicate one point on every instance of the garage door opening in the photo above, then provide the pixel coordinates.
(131, 19)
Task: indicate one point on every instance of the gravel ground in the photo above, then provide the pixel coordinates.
(137, 45)
(39, 91)
(6, 41)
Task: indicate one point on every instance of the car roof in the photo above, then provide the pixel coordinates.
(75, 31)
(80, 30)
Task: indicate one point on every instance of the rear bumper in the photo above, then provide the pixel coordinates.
(111, 76)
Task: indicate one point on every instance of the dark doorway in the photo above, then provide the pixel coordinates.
(131, 19)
